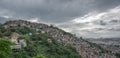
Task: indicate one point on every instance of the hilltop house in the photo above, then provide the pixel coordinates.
(14, 38)
(19, 42)
(49, 40)
(42, 32)
(22, 42)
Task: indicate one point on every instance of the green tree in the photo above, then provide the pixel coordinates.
(5, 49)
(118, 55)
(40, 56)
(2, 29)
(7, 33)
(1, 35)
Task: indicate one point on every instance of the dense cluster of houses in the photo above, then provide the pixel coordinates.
(18, 43)
(112, 48)
(83, 47)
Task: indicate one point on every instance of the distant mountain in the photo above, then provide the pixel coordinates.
(85, 48)
(108, 41)
(4, 19)
(111, 44)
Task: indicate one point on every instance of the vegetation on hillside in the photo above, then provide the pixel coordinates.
(38, 45)
(5, 49)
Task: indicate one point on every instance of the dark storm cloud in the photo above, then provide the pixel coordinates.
(100, 22)
(106, 4)
(63, 12)
(115, 21)
(55, 10)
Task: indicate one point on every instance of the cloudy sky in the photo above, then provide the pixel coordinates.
(87, 18)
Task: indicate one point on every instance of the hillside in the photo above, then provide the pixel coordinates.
(30, 43)
(41, 40)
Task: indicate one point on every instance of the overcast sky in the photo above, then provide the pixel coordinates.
(87, 18)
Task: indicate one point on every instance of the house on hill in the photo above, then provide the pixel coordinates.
(19, 42)
(22, 42)
(49, 40)
(14, 38)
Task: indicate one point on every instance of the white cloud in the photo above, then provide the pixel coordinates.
(7, 17)
(95, 24)
(89, 17)
(36, 20)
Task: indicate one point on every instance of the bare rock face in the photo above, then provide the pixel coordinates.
(84, 48)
